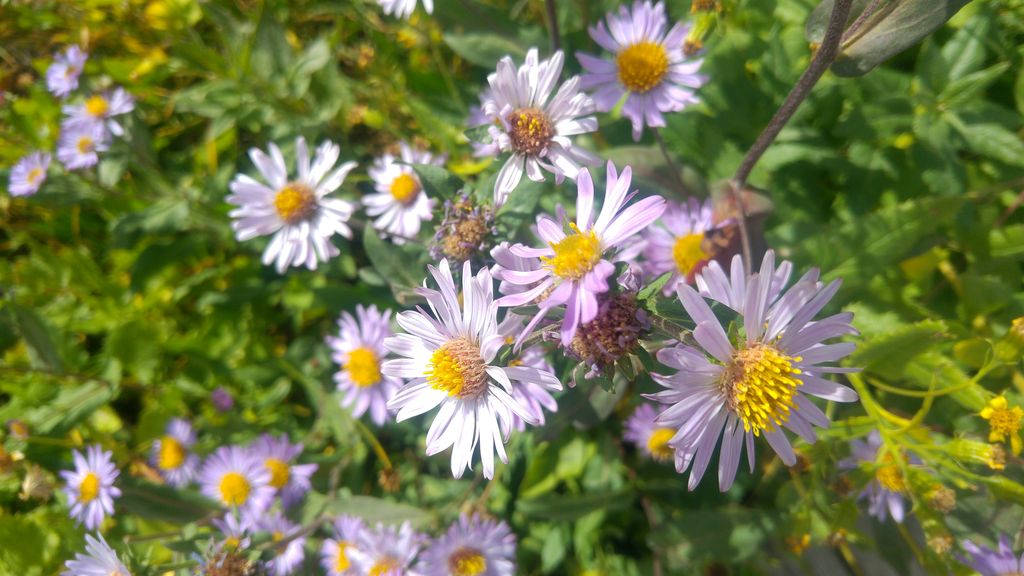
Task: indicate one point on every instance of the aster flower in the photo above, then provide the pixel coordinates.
(535, 127)
(472, 546)
(643, 431)
(237, 479)
(298, 213)
(650, 67)
(387, 551)
(79, 144)
(290, 556)
(62, 75)
(1004, 422)
(759, 383)
(575, 266)
(221, 399)
(335, 552)
(171, 454)
(359, 350)
(678, 245)
(989, 562)
(29, 174)
(477, 118)
(885, 492)
(400, 204)
(90, 486)
(447, 358)
(99, 560)
(404, 8)
(534, 397)
(291, 480)
(235, 530)
(101, 109)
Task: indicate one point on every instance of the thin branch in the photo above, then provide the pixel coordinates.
(672, 166)
(553, 34)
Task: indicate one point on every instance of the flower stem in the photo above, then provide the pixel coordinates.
(673, 167)
(554, 35)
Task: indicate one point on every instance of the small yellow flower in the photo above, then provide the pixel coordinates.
(1004, 422)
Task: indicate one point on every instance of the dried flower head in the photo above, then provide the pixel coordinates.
(465, 231)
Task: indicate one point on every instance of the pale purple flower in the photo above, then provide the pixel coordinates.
(760, 382)
(885, 492)
(222, 399)
(99, 560)
(648, 65)
(387, 551)
(100, 109)
(299, 213)
(289, 556)
(576, 265)
(62, 75)
(472, 545)
(359, 350)
(643, 431)
(532, 396)
(988, 562)
(335, 554)
(404, 8)
(79, 144)
(477, 118)
(678, 244)
(235, 529)
(290, 480)
(90, 486)
(535, 127)
(29, 174)
(400, 204)
(447, 360)
(172, 454)
(235, 478)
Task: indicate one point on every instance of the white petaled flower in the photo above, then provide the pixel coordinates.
(298, 212)
(650, 66)
(404, 8)
(29, 174)
(101, 109)
(80, 143)
(90, 486)
(235, 528)
(534, 126)
(287, 555)
(447, 358)
(387, 551)
(678, 245)
(335, 554)
(359, 351)
(472, 546)
(62, 75)
(400, 204)
(237, 479)
(99, 560)
(575, 265)
(758, 384)
(172, 453)
(290, 480)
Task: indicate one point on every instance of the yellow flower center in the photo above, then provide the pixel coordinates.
(85, 144)
(341, 561)
(89, 489)
(1003, 420)
(231, 542)
(172, 453)
(642, 66)
(760, 383)
(363, 367)
(457, 368)
(530, 130)
(688, 251)
(279, 472)
(891, 477)
(34, 175)
(466, 562)
(234, 489)
(295, 202)
(657, 444)
(97, 106)
(383, 566)
(575, 255)
(405, 188)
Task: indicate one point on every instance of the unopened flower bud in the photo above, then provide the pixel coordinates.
(942, 499)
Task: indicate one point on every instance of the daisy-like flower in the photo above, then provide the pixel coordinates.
(99, 560)
(29, 174)
(649, 66)
(172, 453)
(235, 530)
(387, 551)
(472, 546)
(80, 143)
(447, 358)
(291, 480)
(759, 383)
(404, 8)
(989, 562)
(62, 75)
(532, 396)
(298, 213)
(359, 350)
(575, 266)
(526, 120)
(885, 492)
(237, 479)
(400, 204)
(335, 552)
(101, 109)
(678, 245)
(90, 486)
(644, 432)
(289, 556)
(1004, 422)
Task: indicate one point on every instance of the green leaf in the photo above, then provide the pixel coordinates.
(569, 507)
(991, 140)
(370, 509)
(38, 336)
(965, 51)
(653, 289)
(393, 265)
(484, 49)
(972, 86)
(438, 182)
(889, 353)
(179, 506)
(70, 407)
